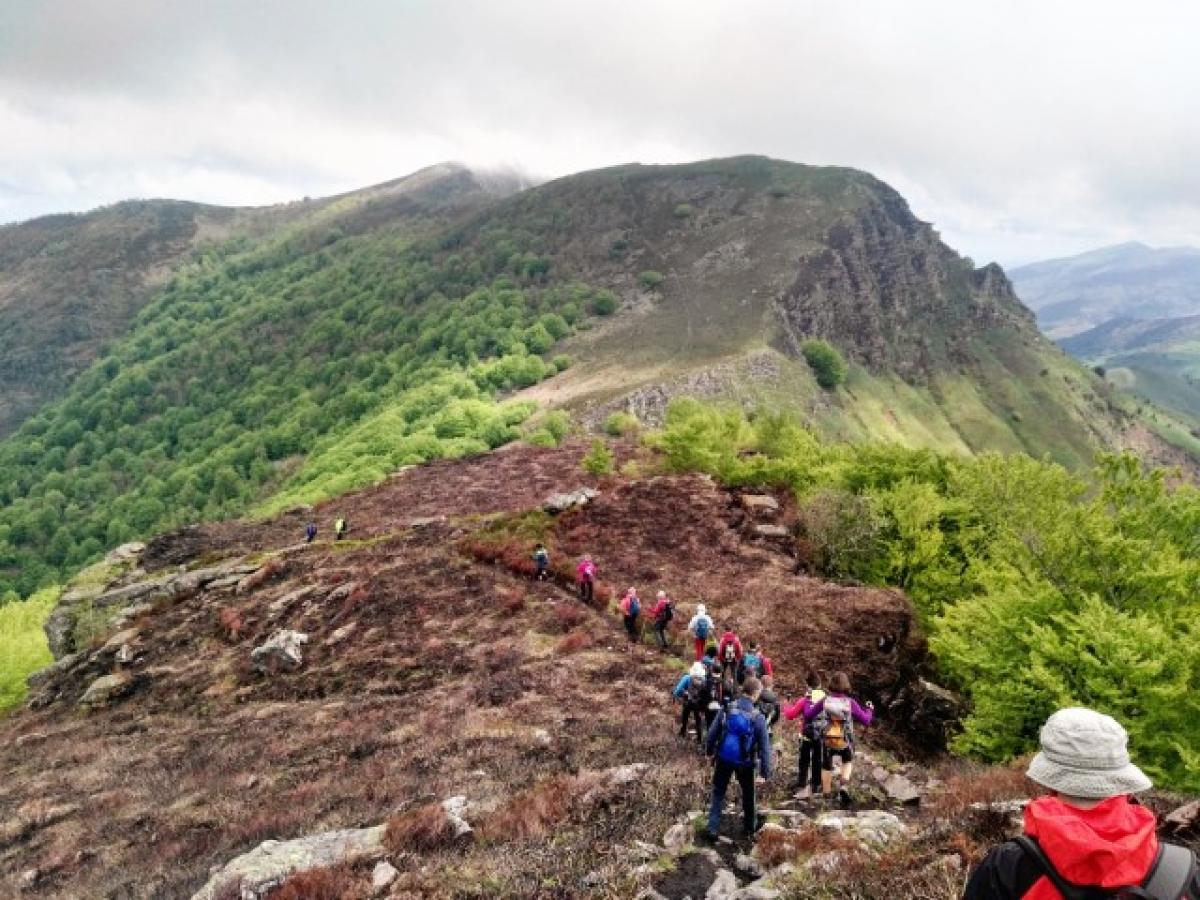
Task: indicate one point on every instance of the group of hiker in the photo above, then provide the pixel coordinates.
(339, 530)
(1087, 838)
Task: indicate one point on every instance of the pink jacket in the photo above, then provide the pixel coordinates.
(586, 570)
(625, 603)
(726, 639)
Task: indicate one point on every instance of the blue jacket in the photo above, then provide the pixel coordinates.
(762, 735)
(682, 686)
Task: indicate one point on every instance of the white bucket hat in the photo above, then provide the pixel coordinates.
(701, 609)
(698, 670)
(1085, 754)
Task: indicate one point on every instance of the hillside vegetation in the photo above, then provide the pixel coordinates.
(378, 329)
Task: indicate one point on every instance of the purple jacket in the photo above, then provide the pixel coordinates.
(861, 715)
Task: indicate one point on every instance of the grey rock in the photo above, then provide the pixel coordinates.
(383, 875)
(341, 634)
(271, 862)
(643, 851)
(560, 503)
(43, 677)
(107, 689)
(456, 811)
(724, 886)
(282, 648)
(902, 790)
(761, 504)
(748, 865)
(757, 891)
(678, 836)
(120, 639)
(771, 531)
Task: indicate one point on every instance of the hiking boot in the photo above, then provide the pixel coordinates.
(845, 799)
(709, 836)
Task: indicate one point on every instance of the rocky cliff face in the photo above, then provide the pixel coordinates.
(885, 289)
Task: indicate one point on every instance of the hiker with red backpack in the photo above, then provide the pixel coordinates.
(694, 691)
(833, 718)
(700, 628)
(1089, 837)
(631, 608)
(729, 652)
(585, 575)
(662, 614)
(738, 742)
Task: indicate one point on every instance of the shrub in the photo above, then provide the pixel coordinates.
(229, 623)
(826, 362)
(568, 616)
(579, 639)
(599, 460)
(561, 362)
(421, 830)
(540, 437)
(649, 280)
(23, 647)
(682, 211)
(845, 532)
(603, 303)
(620, 424)
(558, 423)
(315, 884)
(533, 812)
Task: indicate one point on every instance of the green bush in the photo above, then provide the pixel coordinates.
(599, 460)
(23, 647)
(682, 211)
(620, 424)
(603, 303)
(826, 362)
(650, 280)
(561, 362)
(1038, 588)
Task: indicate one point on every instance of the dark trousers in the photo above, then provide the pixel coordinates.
(660, 634)
(697, 715)
(631, 626)
(810, 764)
(587, 590)
(745, 777)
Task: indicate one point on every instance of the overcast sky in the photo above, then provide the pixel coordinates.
(1022, 130)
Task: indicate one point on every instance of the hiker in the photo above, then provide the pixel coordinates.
(1089, 830)
(663, 613)
(694, 691)
(736, 741)
(631, 608)
(585, 574)
(836, 732)
(729, 652)
(541, 559)
(339, 529)
(710, 658)
(700, 628)
(756, 663)
(811, 756)
(310, 532)
(725, 688)
(768, 702)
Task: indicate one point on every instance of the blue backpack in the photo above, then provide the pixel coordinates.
(737, 739)
(752, 662)
(635, 607)
(702, 629)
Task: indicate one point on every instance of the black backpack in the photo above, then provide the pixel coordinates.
(695, 695)
(1170, 878)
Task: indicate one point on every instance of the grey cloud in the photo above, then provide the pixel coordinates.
(1021, 129)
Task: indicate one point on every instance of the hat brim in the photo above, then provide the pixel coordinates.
(1089, 784)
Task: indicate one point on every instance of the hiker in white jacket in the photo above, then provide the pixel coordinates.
(700, 628)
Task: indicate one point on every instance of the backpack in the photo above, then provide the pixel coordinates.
(668, 612)
(738, 738)
(702, 626)
(694, 695)
(839, 729)
(730, 653)
(541, 556)
(814, 729)
(635, 607)
(1171, 876)
(752, 663)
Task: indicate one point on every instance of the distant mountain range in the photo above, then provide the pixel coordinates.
(1132, 310)
(1126, 281)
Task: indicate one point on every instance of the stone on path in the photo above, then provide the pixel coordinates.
(283, 648)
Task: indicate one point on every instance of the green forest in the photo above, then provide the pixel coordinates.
(1039, 588)
(297, 370)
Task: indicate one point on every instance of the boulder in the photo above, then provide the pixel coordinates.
(760, 504)
(560, 503)
(383, 875)
(724, 886)
(774, 532)
(119, 640)
(748, 866)
(678, 836)
(43, 677)
(271, 862)
(282, 649)
(901, 790)
(757, 891)
(1183, 818)
(930, 712)
(107, 689)
(456, 810)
